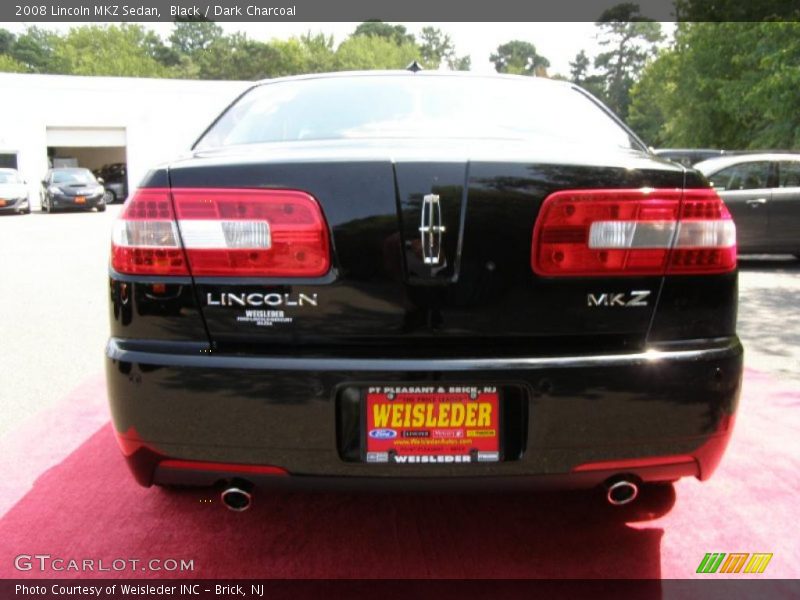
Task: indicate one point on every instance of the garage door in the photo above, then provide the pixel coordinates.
(86, 137)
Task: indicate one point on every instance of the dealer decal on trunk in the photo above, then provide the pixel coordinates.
(263, 309)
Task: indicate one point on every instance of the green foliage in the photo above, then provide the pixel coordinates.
(199, 49)
(7, 40)
(396, 33)
(727, 85)
(736, 10)
(580, 75)
(123, 50)
(9, 64)
(631, 39)
(519, 58)
(36, 50)
(191, 36)
(361, 52)
(437, 48)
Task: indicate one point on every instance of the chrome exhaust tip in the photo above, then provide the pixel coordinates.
(621, 492)
(237, 497)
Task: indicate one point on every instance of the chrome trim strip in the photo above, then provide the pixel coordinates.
(135, 352)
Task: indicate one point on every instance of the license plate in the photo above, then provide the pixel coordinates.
(2, 202)
(80, 200)
(425, 424)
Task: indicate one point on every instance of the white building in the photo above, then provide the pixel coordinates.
(100, 120)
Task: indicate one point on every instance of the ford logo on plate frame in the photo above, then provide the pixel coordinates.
(383, 434)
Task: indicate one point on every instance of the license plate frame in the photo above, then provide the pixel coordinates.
(435, 442)
(80, 199)
(3, 202)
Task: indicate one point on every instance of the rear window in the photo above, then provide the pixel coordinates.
(444, 107)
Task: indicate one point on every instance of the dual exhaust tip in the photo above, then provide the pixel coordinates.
(621, 491)
(238, 496)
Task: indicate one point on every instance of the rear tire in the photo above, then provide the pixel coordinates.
(101, 207)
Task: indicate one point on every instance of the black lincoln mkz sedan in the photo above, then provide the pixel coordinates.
(72, 188)
(400, 278)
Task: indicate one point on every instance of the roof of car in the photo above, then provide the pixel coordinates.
(417, 74)
(713, 165)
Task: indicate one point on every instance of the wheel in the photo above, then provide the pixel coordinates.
(45, 208)
(101, 207)
(109, 197)
(27, 211)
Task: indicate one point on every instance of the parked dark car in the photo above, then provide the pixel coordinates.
(115, 180)
(396, 279)
(762, 192)
(71, 188)
(688, 156)
(13, 193)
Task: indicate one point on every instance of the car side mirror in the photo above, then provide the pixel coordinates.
(100, 180)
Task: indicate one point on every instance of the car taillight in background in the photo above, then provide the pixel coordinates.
(633, 232)
(221, 232)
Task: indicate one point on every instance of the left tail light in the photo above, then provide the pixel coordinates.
(221, 232)
(633, 232)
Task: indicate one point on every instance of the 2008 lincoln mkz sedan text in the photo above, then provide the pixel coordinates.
(422, 278)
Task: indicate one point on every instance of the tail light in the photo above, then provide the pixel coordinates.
(633, 232)
(221, 232)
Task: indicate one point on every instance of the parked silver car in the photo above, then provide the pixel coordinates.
(762, 192)
(13, 192)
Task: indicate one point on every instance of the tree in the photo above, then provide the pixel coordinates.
(520, 58)
(6, 41)
(396, 33)
(8, 64)
(121, 51)
(727, 85)
(319, 51)
(437, 48)
(373, 52)
(631, 39)
(193, 35)
(36, 50)
(735, 10)
(579, 74)
(653, 101)
(236, 57)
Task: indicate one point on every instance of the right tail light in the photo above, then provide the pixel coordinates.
(633, 232)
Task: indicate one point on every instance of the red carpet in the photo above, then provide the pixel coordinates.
(87, 507)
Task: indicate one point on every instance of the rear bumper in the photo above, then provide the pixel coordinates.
(184, 416)
(69, 202)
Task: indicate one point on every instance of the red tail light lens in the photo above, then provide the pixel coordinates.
(225, 232)
(145, 238)
(633, 232)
